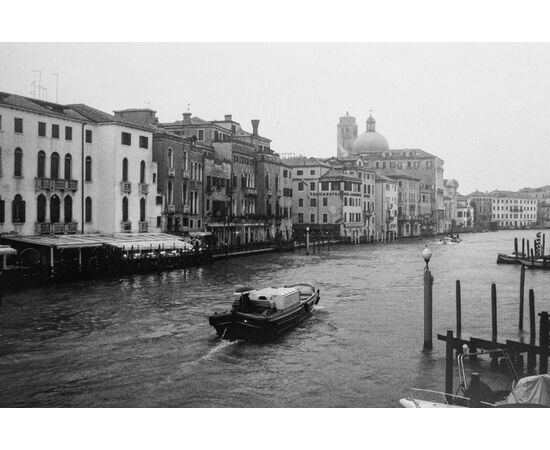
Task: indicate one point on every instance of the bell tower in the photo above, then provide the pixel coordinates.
(346, 134)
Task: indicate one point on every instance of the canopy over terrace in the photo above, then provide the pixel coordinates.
(145, 241)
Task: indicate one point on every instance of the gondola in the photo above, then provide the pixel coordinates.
(264, 314)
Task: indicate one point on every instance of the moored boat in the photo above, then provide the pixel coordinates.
(539, 263)
(261, 314)
(511, 258)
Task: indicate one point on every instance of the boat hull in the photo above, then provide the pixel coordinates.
(508, 259)
(542, 264)
(236, 324)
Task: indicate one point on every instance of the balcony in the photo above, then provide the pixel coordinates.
(126, 227)
(185, 173)
(71, 227)
(71, 185)
(143, 227)
(42, 228)
(143, 188)
(171, 209)
(42, 184)
(251, 191)
(58, 228)
(171, 172)
(126, 187)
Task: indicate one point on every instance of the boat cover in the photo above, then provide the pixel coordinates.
(532, 390)
(281, 297)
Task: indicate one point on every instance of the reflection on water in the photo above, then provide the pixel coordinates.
(145, 340)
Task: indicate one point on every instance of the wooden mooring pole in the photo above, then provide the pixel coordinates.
(516, 247)
(458, 311)
(531, 356)
(494, 358)
(523, 247)
(475, 390)
(428, 299)
(542, 246)
(521, 295)
(543, 343)
(528, 252)
(449, 363)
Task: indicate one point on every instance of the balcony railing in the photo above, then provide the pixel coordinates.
(251, 191)
(71, 227)
(171, 172)
(57, 185)
(126, 187)
(42, 184)
(71, 185)
(43, 228)
(58, 228)
(143, 188)
(126, 227)
(143, 227)
(171, 209)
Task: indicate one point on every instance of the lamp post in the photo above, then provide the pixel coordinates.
(307, 241)
(428, 299)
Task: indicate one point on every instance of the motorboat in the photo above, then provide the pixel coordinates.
(532, 391)
(262, 314)
(450, 239)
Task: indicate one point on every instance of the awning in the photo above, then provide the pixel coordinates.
(7, 250)
(200, 233)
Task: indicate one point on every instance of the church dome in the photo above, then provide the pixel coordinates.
(370, 140)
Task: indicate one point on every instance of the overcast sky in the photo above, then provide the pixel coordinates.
(482, 108)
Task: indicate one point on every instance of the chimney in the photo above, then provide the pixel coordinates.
(228, 118)
(187, 118)
(255, 124)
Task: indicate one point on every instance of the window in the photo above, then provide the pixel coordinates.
(324, 185)
(41, 128)
(88, 169)
(300, 186)
(125, 169)
(201, 135)
(2, 211)
(170, 158)
(325, 218)
(313, 202)
(18, 210)
(300, 202)
(143, 142)
(55, 209)
(312, 185)
(41, 208)
(18, 125)
(55, 131)
(312, 218)
(299, 172)
(300, 218)
(41, 169)
(68, 168)
(142, 172)
(126, 138)
(125, 209)
(312, 172)
(68, 133)
(18, 163)
(325, 201)
(285, 173)
(142, 210)
(54, 166)
(88, 208)
(89, 136)
(68, 208)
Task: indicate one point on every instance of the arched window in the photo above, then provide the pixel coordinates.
(88, 213)
(125, 209)
(142, 172)
(54, 209)
(68, 208)
(68, 166)
(196, 202)
(200, 172)
(18, 210)
(54, 166)
(170, 193)
(170, 158)
(41, 170)
(185, 161)
(18, 163)
(41, 208)
(125, 169)
(142, 210)
(88, 174)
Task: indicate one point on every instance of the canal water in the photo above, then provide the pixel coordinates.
(144, 341)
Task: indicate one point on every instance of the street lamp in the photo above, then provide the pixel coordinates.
(426, 254)
(307, 241)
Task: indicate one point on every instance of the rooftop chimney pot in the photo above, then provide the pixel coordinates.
(228, 118)
(255, 125)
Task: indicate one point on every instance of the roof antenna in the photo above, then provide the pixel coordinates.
(56, 87)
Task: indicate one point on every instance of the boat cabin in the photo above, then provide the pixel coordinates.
(268, 299)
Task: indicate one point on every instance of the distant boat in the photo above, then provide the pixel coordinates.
(451, 239)
(510, 258)
(261, 314)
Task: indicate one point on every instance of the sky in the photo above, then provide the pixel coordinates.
(482, 108)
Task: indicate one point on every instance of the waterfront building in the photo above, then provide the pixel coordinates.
(385, 208)
(73, 169)
(449, 199)
(346, 134)
(409, 219)
(464, 212)
(503, 209)
(373, 148)
(543, 214)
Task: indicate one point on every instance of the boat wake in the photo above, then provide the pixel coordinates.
(219, 347)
